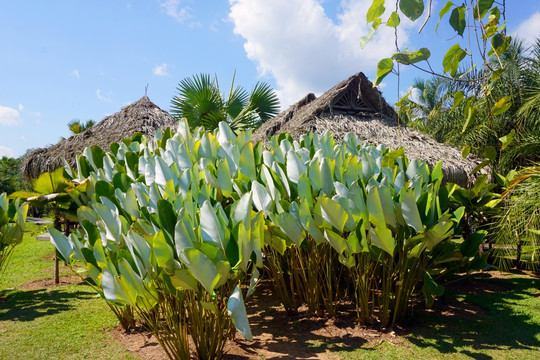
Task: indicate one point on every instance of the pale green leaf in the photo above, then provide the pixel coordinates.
(237, 311)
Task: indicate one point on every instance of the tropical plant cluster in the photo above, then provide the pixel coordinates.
(12, 222)
(175, 232)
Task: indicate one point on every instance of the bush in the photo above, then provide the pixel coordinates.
(176, 228)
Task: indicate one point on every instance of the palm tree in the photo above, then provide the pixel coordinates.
(77, 127)
(201, 103)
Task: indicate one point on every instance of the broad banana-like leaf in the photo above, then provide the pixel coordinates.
(110, 221)
(61, 243)
(247, 163)
(163, 251)
(109, 285)
(381, 237)
(163, 173)
(440, 231)
(409, 210)
(225, 134)
(314, 174)
(211, 230)
(336, 241)
(333, 213)
(261, 198)
(183, 280)
(375, 209)
(388, 206)
(237, 311)
(308, 222)
(290, 226)
(304, 189)
(184, 236)
(224, 178)
(295, 166)
(202, 268)
(327, 177)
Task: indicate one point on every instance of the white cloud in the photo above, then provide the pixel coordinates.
(75, 73)
(104, 98)
(303, 48)
(160, 70)
(21, 107)
(174, 9)
(5, 151)
(9, 117)
(529, 29)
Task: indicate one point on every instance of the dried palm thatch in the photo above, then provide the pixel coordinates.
(142, 116)
(355, 106)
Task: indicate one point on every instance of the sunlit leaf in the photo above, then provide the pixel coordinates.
(411, 57)
(457, 20)
(237, 311)
(413, 9)
(384, 67)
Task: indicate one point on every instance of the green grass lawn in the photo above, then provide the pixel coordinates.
(479, 318)
(58, 322)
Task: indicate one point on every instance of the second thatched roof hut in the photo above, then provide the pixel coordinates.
(142, 116)
(354, 105)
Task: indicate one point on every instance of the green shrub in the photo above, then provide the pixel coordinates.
(12, 222)
(176, 228)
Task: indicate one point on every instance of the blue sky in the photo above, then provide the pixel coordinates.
(63, 60)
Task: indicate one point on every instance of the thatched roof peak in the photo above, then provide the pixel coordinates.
(354, 105)
(142, 116)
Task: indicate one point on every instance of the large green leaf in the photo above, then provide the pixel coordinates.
(411, 57)
(375, 10)
(163, 251)
(469, 247)
(50, 182)
(375, 209)
(442, 12)
(291, 227)
(202, 268)
(336, 241)
(393, 20)
(295, 166)
(237, 311)
(333, 213)
(452, 58)
(413, 9)
(261, 198)
(481, 8)
(184, 236)
(61, 243)
(211, 230)
(410, 212)
(457, 19)
(382, 238)
(384, 67)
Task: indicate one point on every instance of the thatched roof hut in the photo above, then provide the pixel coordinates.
(142, 116)
(354, 105)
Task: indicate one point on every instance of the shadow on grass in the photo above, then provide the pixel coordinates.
(31, 304)
(481, 314)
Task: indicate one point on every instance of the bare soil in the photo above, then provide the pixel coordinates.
(278, 335)
(47, 283)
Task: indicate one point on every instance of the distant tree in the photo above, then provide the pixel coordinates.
(10, 175)
(77, 127)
